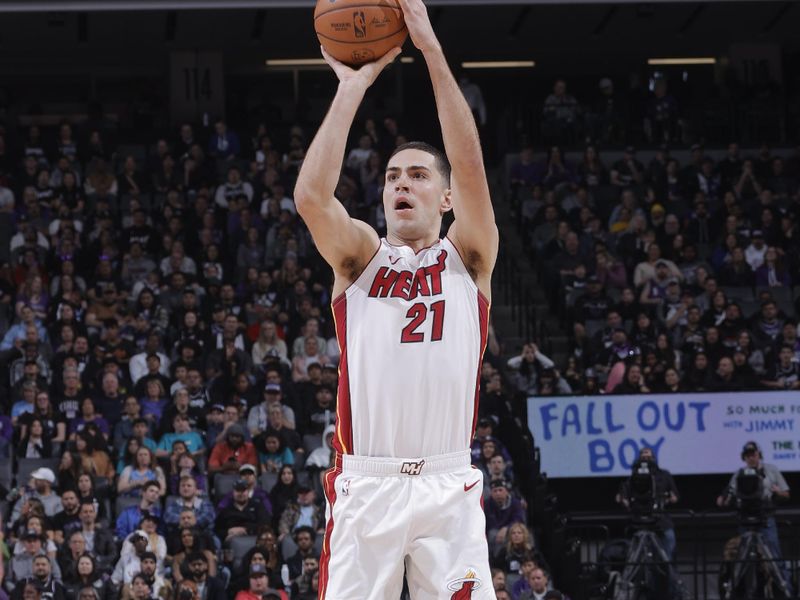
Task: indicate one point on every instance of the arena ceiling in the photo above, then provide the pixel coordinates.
(89, 31)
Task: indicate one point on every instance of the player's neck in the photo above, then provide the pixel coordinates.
(416, 244)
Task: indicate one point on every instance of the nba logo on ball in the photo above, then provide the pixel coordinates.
(464, 586)
(359, 24)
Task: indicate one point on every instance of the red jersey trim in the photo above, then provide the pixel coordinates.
(343, 440)
(483, 320)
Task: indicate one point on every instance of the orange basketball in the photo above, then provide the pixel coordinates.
(359, 31)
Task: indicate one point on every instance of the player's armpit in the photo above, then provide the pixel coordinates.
(346, 244)
(474, 232)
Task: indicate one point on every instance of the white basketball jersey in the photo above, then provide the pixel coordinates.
(411, 329)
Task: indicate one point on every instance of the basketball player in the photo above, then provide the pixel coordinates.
(411, 314)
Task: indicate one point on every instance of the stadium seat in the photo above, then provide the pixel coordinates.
(738, 294)
(240, 544)
(267, 481)
(6, 472)
(123, 502)
(312, 441)
(223, 484)
(288, 547)
(26, 466)
(593, 326)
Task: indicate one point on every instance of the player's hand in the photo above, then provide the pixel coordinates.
(419, 25)
(367, 74)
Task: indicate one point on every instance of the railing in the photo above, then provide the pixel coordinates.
(700, 558)
(515, 293)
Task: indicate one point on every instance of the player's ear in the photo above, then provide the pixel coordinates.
(447, 202)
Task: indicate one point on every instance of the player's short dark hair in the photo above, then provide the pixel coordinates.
(442, 164)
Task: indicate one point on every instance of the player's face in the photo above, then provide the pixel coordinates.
(415, 195)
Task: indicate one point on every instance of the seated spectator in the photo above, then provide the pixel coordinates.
(184, 433)
(200, 572)
(189, 497)
(89, 415)
(502, 509)
(244, 515)
(69, 553)
(128, 520)
(93, 457)
(68, 519)
(321, 412)
(304, 538)
(33, 562)
(159, 587)
(139, 472)
(772, 272)
(259, 586)
(312, 353)
(230, 453)
(87, 575)
(53, 423)
(273, 452)
(736, 272)
(303, 510)
(784, 373)
(43, 481)
(35, 443)
(185, 465)
(192, 547)
(98, 540)
(248, 474)
(36, 523)
(258, 417)
(320, 458)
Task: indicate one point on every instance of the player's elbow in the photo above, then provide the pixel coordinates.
(305, 198)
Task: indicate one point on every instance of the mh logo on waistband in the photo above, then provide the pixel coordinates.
(412, 468)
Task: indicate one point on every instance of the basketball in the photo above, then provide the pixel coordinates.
(359, 31)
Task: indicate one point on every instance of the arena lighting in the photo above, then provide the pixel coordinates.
(498, 64)
(313, 62)
(295, 62)
(681, 61)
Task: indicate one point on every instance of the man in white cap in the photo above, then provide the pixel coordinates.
(42, 482)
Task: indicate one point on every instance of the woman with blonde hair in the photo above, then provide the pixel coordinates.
(142, 470)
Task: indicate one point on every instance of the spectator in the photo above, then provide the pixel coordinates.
(98, 540)
(259, 586)
(560, 115)
(224, 143)
(200, 572)
(243, 516)
(189, 497)
(303, 510)
(128, 520)
(229, 454)
(502, 509)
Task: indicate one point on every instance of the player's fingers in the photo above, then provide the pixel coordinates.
(335, 64)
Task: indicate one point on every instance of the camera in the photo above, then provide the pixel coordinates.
(749, 495)
(643, 498)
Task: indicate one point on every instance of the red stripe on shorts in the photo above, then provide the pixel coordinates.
(329, 488)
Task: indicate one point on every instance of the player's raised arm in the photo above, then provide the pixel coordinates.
(474, 230)
(346, 244)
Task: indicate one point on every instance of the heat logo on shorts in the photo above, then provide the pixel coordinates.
(462, 588)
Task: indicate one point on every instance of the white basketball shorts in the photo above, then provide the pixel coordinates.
(424, 514)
